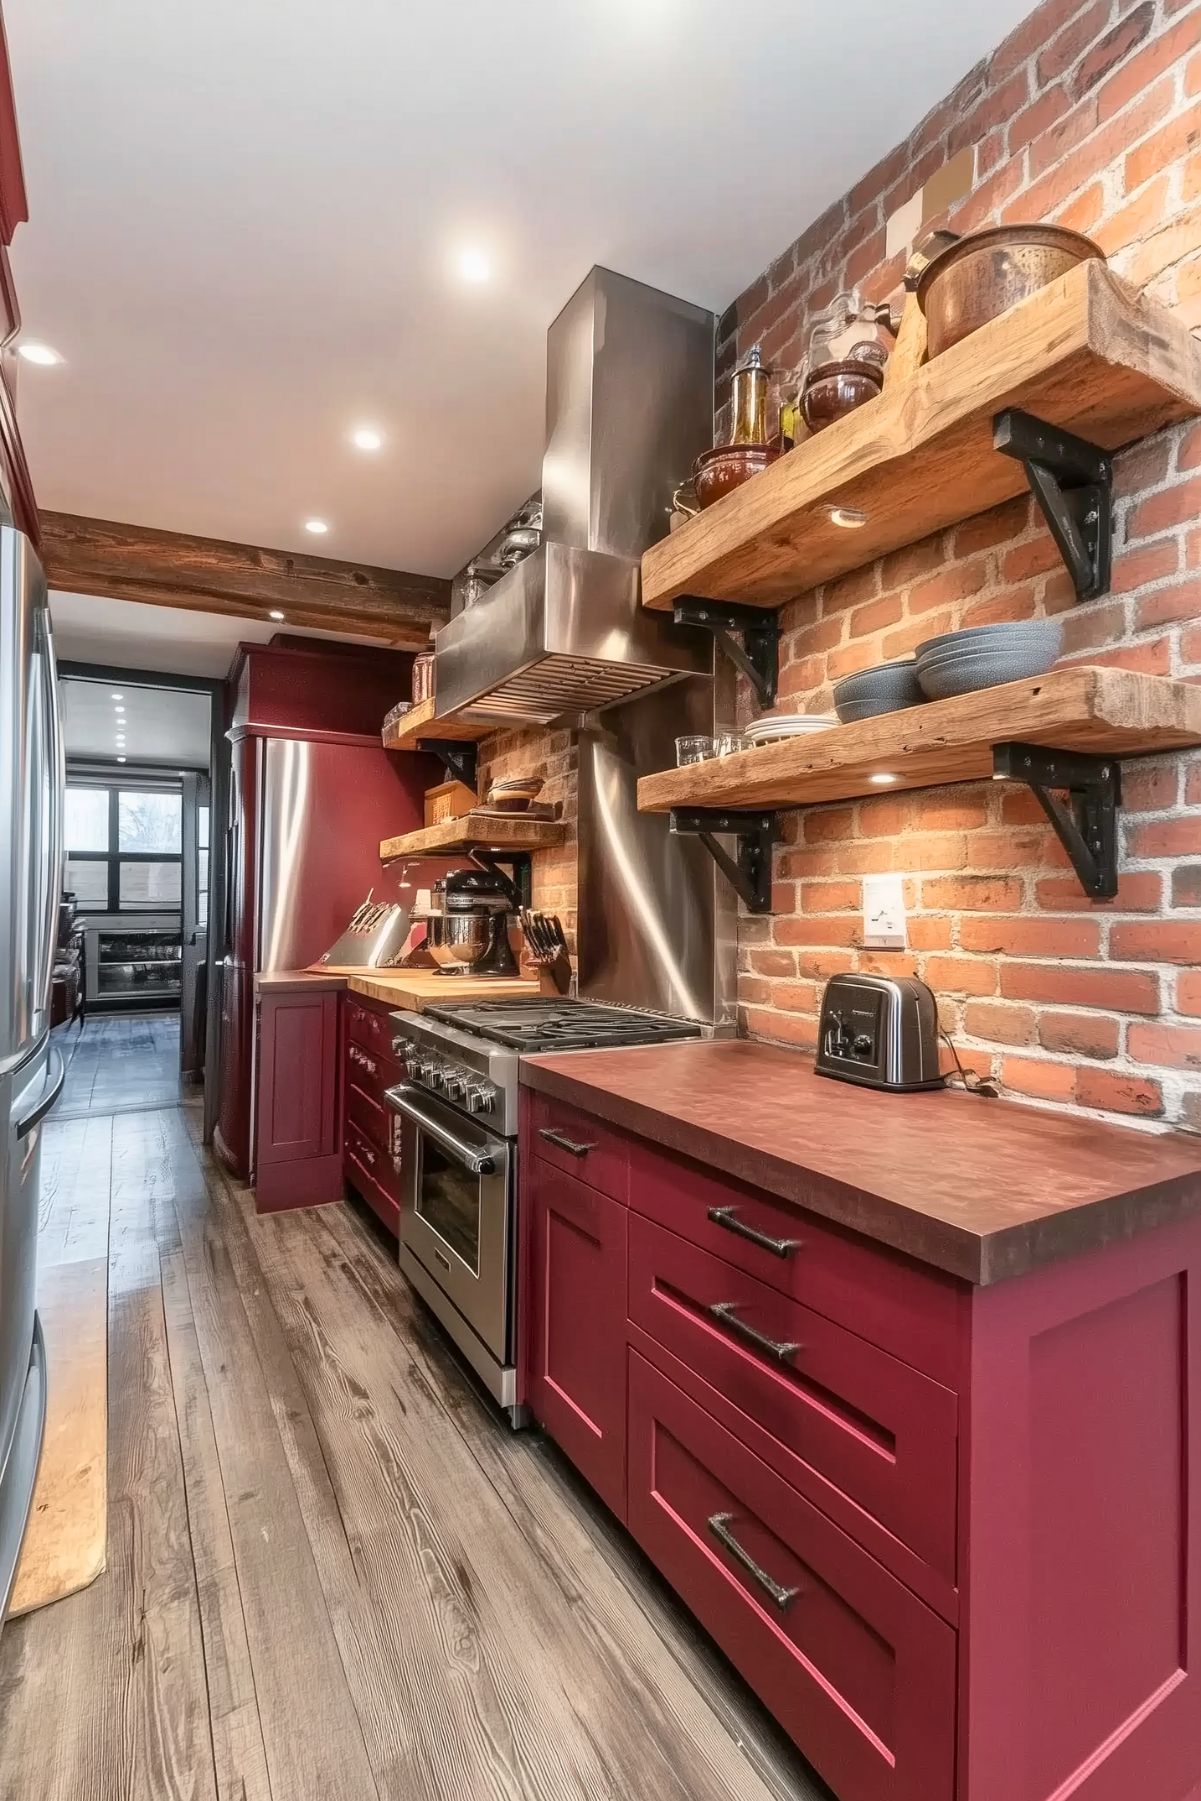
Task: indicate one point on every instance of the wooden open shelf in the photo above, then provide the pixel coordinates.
(1100, 711)
(419, 724)
(475, 831)
(1085, 353)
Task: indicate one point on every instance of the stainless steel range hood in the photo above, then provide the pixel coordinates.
(629, 407)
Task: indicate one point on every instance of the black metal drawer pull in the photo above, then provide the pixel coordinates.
(719, 1526)
(564, 1144)
(727, 1313)
(779, 1247)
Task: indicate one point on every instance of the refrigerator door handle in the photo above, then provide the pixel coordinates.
(53, 848)
(56, 1075)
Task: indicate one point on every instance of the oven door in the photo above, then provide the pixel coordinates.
(456, 1209)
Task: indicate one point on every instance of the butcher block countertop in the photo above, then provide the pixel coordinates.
(410, 990)
(983, 1189)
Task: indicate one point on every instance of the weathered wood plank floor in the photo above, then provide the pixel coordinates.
(333, 1573)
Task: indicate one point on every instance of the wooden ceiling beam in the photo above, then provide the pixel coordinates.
(173, 569)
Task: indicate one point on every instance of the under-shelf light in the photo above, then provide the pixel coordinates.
(849, 517)
(883, 777)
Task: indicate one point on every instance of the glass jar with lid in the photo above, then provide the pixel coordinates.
(844, 364)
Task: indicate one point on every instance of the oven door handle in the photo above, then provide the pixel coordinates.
(404, 1098)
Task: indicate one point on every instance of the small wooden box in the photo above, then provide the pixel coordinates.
(449, 800)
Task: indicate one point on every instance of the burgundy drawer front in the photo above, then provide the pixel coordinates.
(882, 1433)
(578, 1327)
(370, 1157)
(371, 1069)
(382, 1204)
(374, 1118)
(374, 1031)
(856, 1669)
(911, 1312)
(580, 1146)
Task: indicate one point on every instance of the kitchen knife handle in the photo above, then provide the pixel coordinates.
(726, 1313)
(719, 1526)
(779, 1247)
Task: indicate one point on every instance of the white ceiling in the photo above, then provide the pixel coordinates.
(161, 725)
(245, 219)
(125, 634)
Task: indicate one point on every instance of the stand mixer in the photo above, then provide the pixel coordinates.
(472, 930)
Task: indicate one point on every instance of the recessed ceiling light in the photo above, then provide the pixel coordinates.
(39, 353)
(318, 527)
(116, 696)
(366, 438)
(850, 517)
(884, 777)
(120, 759)
(275, 612)
(474, 266)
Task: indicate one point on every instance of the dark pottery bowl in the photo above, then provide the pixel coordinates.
(719, 471)
(837, 389)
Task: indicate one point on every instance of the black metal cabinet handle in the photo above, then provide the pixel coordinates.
(564, 1144)
(779, 1247)
(727, 1313)
(719, 1526)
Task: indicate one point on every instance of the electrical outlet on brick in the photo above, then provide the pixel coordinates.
(884, 912)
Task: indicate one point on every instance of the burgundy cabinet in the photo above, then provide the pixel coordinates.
(578, 1324)
(371, 1134)
(861, 1672)
(297, 1123)
(950, 1535)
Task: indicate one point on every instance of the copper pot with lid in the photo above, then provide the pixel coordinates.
(973, 279)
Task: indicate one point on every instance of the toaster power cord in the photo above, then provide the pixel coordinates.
(971, 1081)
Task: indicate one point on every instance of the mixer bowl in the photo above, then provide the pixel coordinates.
(458, 940)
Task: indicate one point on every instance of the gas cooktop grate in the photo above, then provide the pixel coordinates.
(550, 1025)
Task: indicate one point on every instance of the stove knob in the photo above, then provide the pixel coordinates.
(481, 1097)
(437, 1075)
(404, 1048)
(455, 1086)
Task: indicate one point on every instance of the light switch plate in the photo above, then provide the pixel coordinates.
(884, 912)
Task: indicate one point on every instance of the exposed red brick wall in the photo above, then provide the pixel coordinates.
(1088, 114)
(552, 755)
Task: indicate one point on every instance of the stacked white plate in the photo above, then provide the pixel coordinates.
(789, 725)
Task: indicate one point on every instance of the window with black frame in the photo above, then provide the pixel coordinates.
(124, 847)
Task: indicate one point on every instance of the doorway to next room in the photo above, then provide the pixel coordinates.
(133, 974)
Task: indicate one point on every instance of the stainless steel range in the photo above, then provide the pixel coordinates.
(458, 1118)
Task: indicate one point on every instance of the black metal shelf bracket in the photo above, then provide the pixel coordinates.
(1072, 481)
(757, 657)
(460, 760)
(750, 874)
(518, 870)
(1088, 827)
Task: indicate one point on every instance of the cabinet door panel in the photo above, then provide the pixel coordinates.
(298, 1077)
(580, 1146)
(882, 1433)
(578, 1377)
(857, 1669)
(912, 1312)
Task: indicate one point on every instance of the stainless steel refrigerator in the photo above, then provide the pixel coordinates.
(31, 1068)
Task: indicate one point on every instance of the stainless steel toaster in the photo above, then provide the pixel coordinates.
(879, 1031)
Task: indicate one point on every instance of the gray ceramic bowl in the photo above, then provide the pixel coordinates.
(969, 670)
(1004, 636)
(886, 688)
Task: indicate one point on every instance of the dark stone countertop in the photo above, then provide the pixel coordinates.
(984, 1189)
